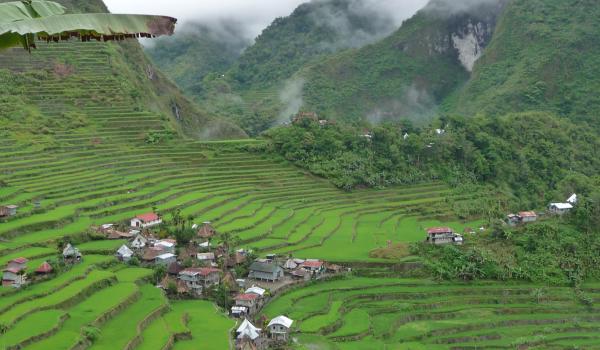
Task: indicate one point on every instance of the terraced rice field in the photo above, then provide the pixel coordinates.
(104, 171)
(386, 313)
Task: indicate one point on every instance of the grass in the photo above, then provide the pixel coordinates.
(209, 328)
(104, 172)
(368, 313)
(35, 324)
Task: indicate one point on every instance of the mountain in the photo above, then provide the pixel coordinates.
(257, 90)
(408, 74)
(545, 55)
(139, 83)
(196, 51)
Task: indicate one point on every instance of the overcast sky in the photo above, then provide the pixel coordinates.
(255, 15)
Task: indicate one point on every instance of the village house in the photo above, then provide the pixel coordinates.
(528, 216)
(150, 254)
(44, 269)
(139, 242)
(168, 245)
(206, 232)
(573, 199)
(124, 253)
(309, 116)
(198, 279)
(207, 259)
(560, 208)
(443, 235)
(165, 259)
(248, 335)
(333, 268)
(279, 328)
(8, 210)
(265, 271)
(71, 254)
(256, 290)
(290, 264)
(174, 269)
(300, 274)
(250, 301)
(14, 273)
(314, 266)
(146, 220)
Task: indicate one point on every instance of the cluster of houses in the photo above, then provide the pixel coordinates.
(8, 210)
(250, 337)
(556, 208)
(278, 273)
(15, 273)
(443, 235)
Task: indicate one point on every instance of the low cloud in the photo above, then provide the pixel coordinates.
(415, 104)
(291, 97)
(452, 7)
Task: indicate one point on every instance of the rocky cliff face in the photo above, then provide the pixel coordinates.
(469, 27)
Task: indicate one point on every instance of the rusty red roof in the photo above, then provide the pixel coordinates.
(527, 214)
(247, 297)
(148, 217)
(436, 230)
(20, 260)
(312, 263)
(44, 268)
(14, 270)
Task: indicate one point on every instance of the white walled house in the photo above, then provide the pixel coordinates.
(124, 253)
(146, 220)
(165, 259)
(560, 208)
(139, 242)
(280, 327)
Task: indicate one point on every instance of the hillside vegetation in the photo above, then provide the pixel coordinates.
(136, 77)
(544, 56)
(258, 89)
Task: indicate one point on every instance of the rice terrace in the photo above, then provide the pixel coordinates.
(137, 216)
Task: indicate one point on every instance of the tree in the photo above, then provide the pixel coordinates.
(24, 22)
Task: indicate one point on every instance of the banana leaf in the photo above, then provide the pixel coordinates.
(23, 23)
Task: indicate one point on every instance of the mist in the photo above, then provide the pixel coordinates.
(291, 98)
(452, 7)
(413, 103)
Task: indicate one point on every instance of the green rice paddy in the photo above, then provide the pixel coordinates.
(105, 172)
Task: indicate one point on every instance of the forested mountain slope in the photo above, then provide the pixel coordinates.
(257, 90)
(545, 55)
(408, 74)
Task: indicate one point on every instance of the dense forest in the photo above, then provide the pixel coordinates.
(529, 154)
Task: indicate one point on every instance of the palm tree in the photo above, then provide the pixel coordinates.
(23, 22)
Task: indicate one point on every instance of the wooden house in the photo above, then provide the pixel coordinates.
(165, 259)
(146, 220)
(250, 301)
(168, 245)
(313, 266)
(206, 259)
(44, 269)
(139, 242)
(124, 253)
(443, 235)
(247, 333)
(560, 208)
(265, 271)
(198, 279)
(528, 216)
(206, 232)
(279, 328)
(71, 254)
(14, 273)
(8, 210)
